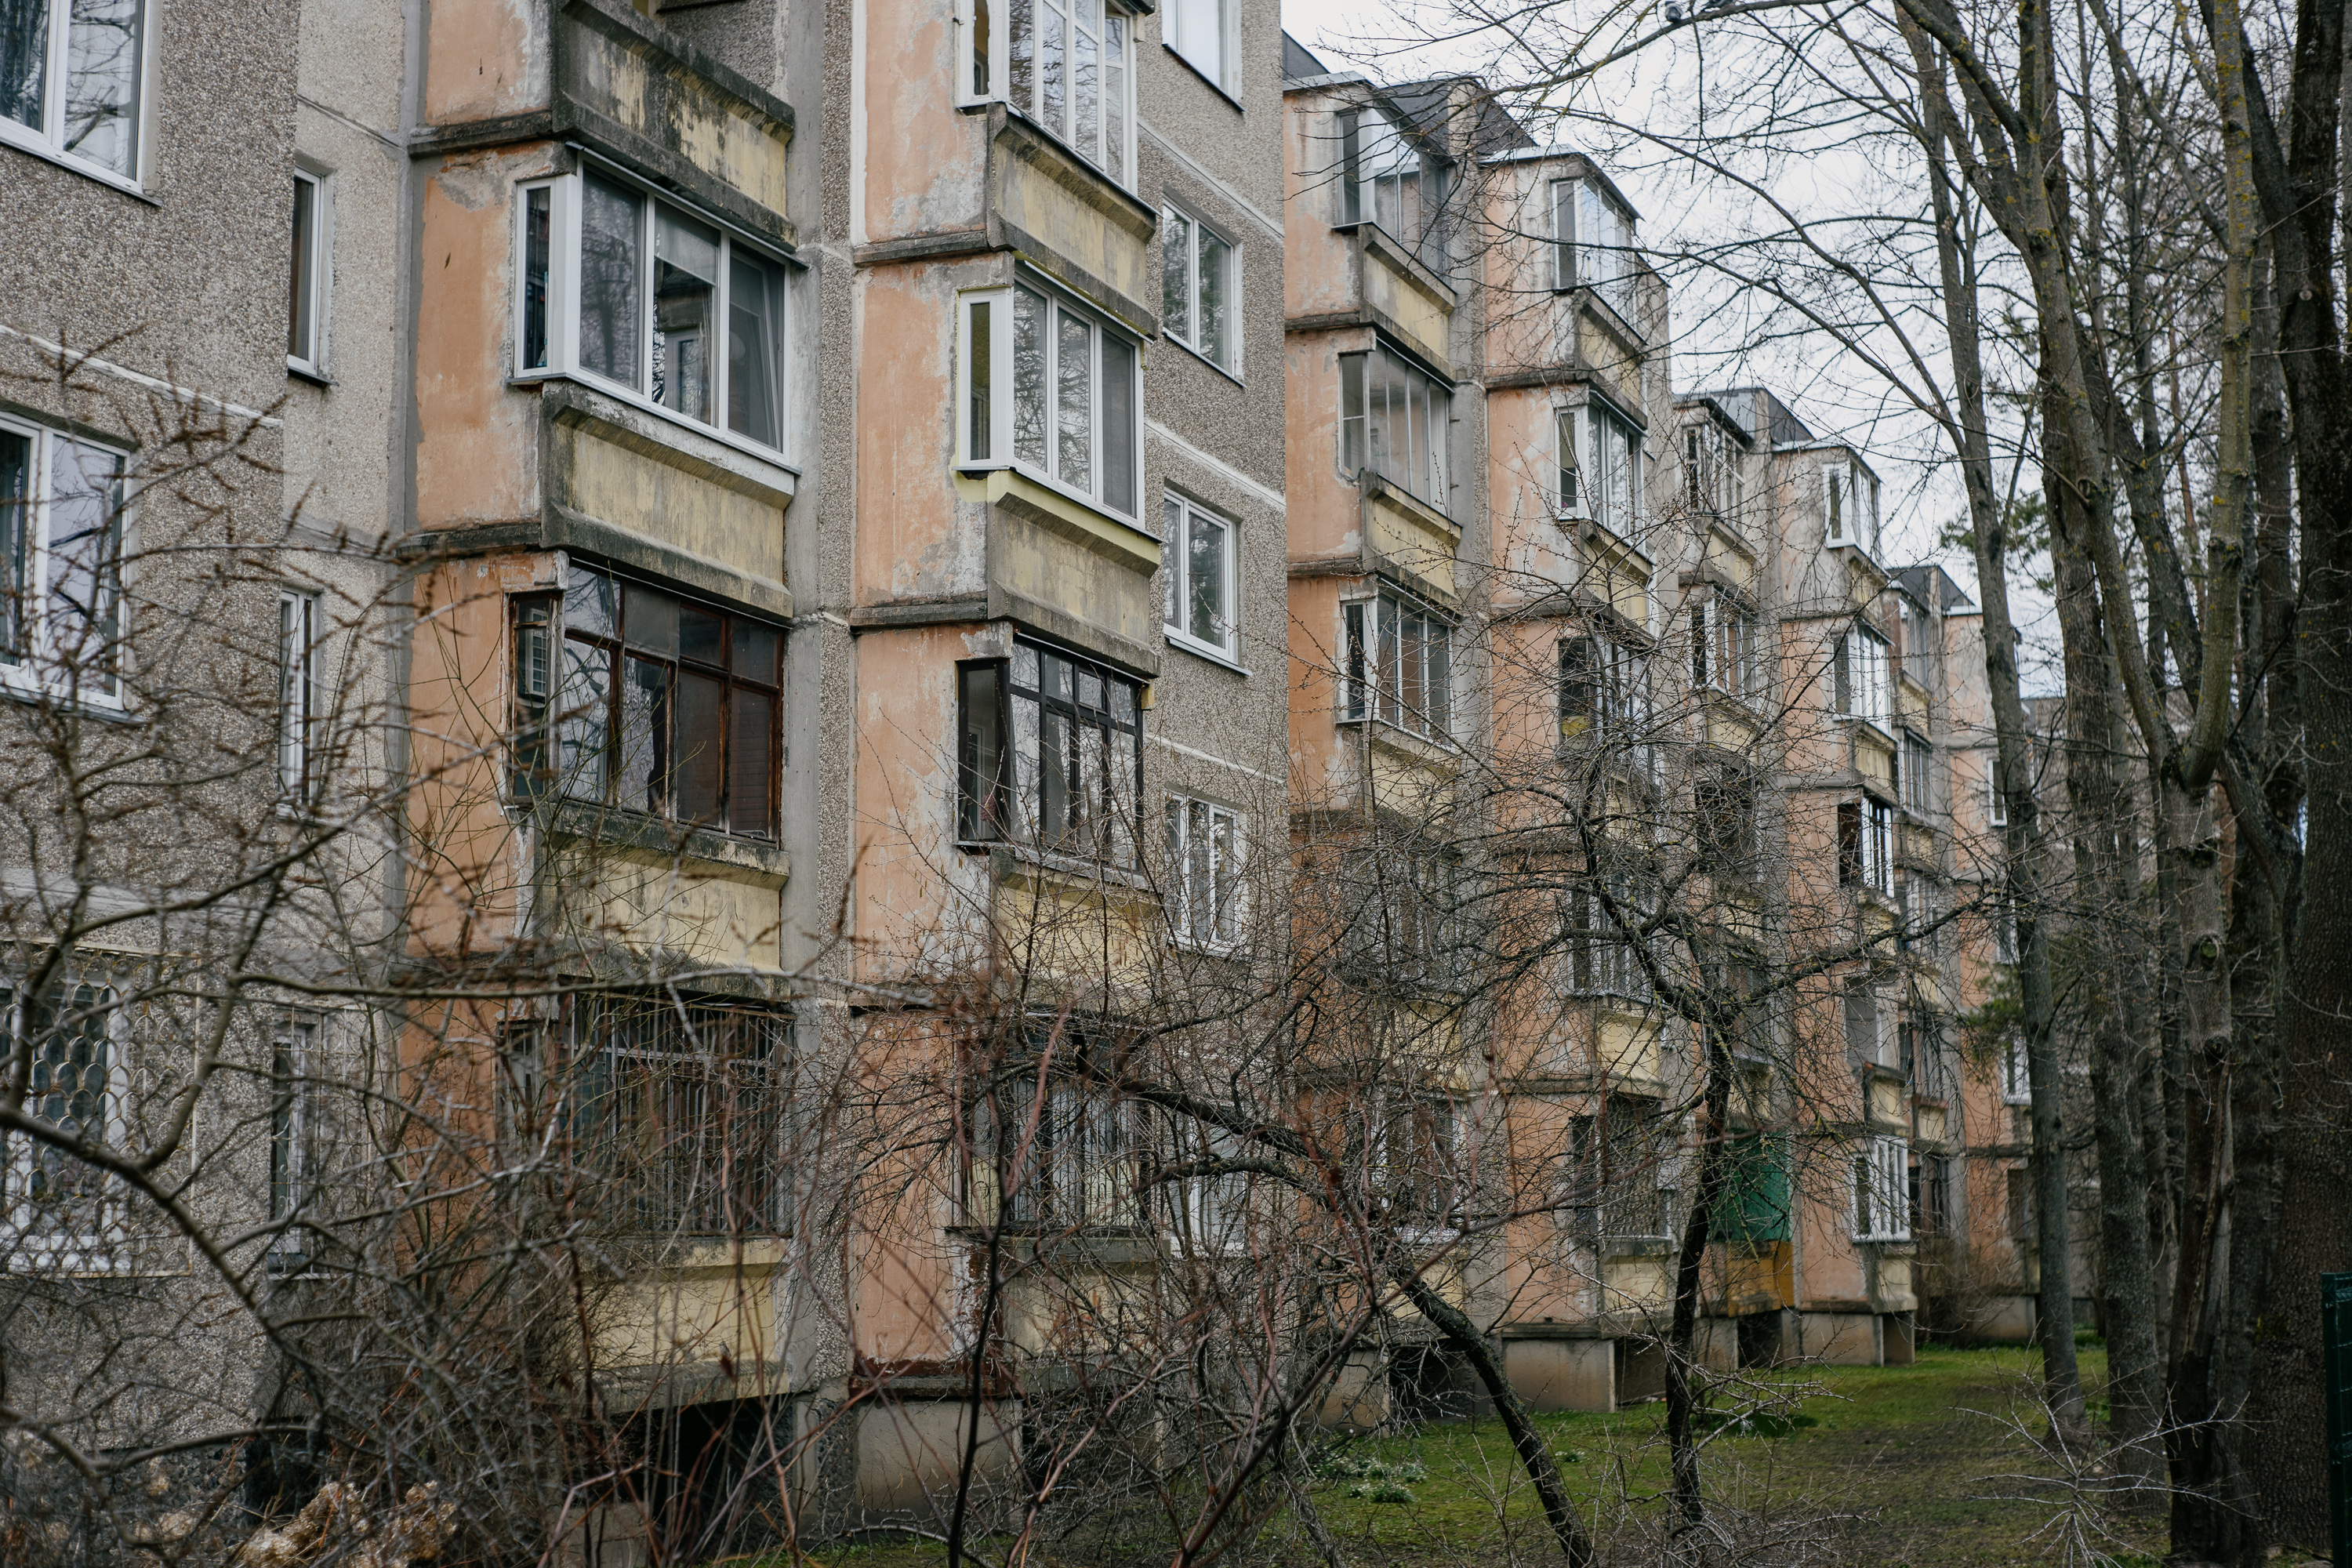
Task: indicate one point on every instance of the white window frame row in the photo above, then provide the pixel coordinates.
(56, 137)
(1201, 289)
(988, 395)
(298, 706)
(561, 198)
(1723, 646)
(1882, 1191)
(1598, 453)
(1207, 34)
(33, 662)
(1201, 549)
(1713, 478)
(1372, 683)
(984, 73)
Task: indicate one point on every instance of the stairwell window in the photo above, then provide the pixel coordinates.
(1053, 391)
(650, 302)
(298, 694)
(1204, 869)
(305, 309)
(1048, 754)
(76, 74)
(1398, 665)
(1881, 1191)
(61, 527)
(636, 697)
(1065, 65)
(1394, 422)
(1199, 287)
(295, 1147)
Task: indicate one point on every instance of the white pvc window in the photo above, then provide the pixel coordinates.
(1200, 290)
(298, 694)
(1711, 477)
(1067, 64)
(1204, 862)
(1201, 587)
(1398, 665)
(61, 513)
(1612, 469)
(1202, 31)
(1866, 844)
(1723, 646)
(643, 299)
(1996, 803)
(72, 80)
(1882, 1191)
(1052, 390)
(295, 1146)
(1850, 506)
(2016, 1076)
(306, 305)
(1859, 677)
(1388, 180)
(1591, 243)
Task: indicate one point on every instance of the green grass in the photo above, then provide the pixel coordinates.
(1915, 1463)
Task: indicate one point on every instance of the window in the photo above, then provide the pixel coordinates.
(1605, 693)
(1931, 1200)
(1612, 471)
(58, 1211)
(1200, 31)
(1064, 64)
(1850, 505)
(1050, 748)
(2016, 1073)
(1723, 646)
(1882, 1197)
(1417, 1158)
(1388, 180)
(1204, 864)
(1918, 1053)
(1592, 244)
(1569, 493)
(2020, 1183)
(1916, 913)
(1865, 1044)
(1402, 931)
(1198, 552)
(633, 697)
(2004, 930)
(1996, 803)
(1618, 1159)
(297, 687)
(294, 1146)
(674, 1108)
(1076, 414)
(649, 300)
(306, 312)
(61, 503)
(1399, 665)
(1211, 1209)
(1918, 647)
(1918, 770)
(1754, 1206)
(1063, 1159)
(1723, 820)
(1392, 421)
(1866, 844)
(1200, 284)
(1605, 952)
(1711, 478)
(1858, 676)
(74, 71)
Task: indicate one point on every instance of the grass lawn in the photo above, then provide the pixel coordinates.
(1907, 1465)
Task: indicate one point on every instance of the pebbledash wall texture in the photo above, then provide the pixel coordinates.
(798, 538)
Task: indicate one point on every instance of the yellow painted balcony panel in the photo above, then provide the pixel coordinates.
(1403, 299)
(1070, 220)
(1412, 537)
(1629, 1049)
(666, 109)
(1068, 569)
(1635, 1283)
(704, 1303)
(1886, 1099)
(1072, 927)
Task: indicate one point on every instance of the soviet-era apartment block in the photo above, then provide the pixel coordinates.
(1066, 505)
(612, 397)
(190, 604)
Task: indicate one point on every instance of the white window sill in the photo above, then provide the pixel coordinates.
(1204, 650)
(1055, 860)
(1206, 949)
(28, 141)
(643, 405)
(1232, 375)
(303, 370)
(1382, 727)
